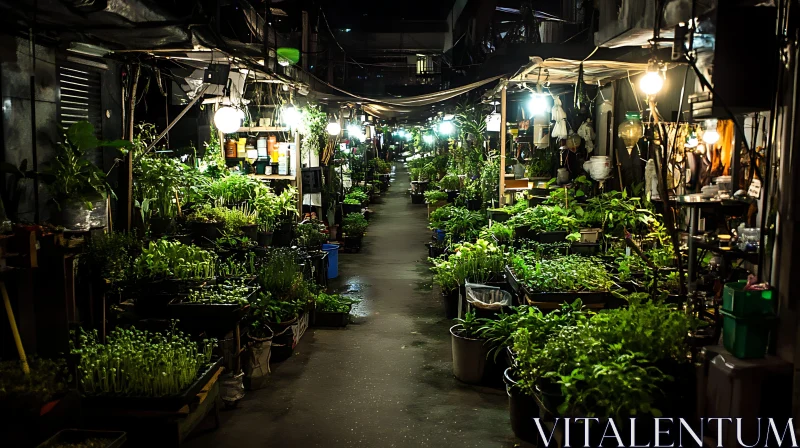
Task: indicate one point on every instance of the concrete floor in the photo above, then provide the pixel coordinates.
(384, 381)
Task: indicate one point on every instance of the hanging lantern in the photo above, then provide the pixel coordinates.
(573, 141)
(631, 130)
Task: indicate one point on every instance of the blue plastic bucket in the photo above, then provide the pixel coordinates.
(439, 234)
(333, 259)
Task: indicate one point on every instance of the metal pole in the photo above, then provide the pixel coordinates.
(178, 117)
(502, 141)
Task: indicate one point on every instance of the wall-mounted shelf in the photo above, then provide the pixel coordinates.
(272, 176)
(263, 129)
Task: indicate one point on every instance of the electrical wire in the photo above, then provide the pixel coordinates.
(334, 37)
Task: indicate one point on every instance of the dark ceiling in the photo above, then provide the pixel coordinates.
(355, 14)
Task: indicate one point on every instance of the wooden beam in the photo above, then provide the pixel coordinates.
(298, 174)
(503, 90)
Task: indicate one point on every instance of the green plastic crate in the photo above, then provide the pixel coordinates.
(737, 301)
(746, 337)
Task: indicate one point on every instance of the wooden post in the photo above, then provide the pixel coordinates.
(503, 141)
(304, 43)
(128, 164)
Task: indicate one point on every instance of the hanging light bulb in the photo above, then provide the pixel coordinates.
(446, 127)
(333, 128)
(408, 136)
(228, 119)
(428, 138)
(538, 104)
(290, 116)
(710, 135)
(652, 81)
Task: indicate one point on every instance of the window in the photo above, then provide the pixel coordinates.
(79, 100)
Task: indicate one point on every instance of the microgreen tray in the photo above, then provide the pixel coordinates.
(168, 403)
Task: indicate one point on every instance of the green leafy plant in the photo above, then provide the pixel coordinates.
(477, 262)
(110, 256)
(334, 303)
(229, 293)
(310, 234)
(354, 225)
(139, 363)
(469, 326)
(501, 232)
(463, 224)
(164, 259)
(544, 219)
(571, 273)
(70, 175)
(450, 182)
(356, 194)
(313, 128)
(434, 196)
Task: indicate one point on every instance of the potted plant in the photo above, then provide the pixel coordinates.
(451, 184)
(562, 279)
(332, 310)
(472, 194)
(545, 224)
(309, 235)
(469, 350)
(76, 184)
(207, 222)
(354, 226)
(444, 275)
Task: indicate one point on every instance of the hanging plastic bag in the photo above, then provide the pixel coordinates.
(586, 131)
(486, 297)
(560, 129)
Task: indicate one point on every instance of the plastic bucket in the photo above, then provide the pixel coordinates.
(746, 337)
(333, 259)
(737, 301)
(439, 234)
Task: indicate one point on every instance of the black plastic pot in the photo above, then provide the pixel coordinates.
(251, 232)
(524, 233)
(282, 235)
(206, 230)
(351, 208)
(282, 340)
(499, 216)
(450, 302)
(452, 195)
(474, 204)
(551, 398)
(469, 356)
(161, 226)
(434, 251)
(585, 248)
(417, 198)
(264, 238)
(352, 243)
(551, 237)
(419, 186)
(522, 409)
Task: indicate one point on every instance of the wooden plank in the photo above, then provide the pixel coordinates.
(203, 394)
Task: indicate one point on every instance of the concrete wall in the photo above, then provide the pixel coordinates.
(16, 68)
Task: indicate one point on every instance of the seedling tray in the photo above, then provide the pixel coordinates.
(328, 319)
(110, 439)
(169, 404)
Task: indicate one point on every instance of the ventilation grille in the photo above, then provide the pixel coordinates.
(80, 96)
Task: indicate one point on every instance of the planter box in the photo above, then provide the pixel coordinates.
(417, 198)
(329, 319)
(497, 215)
(590, 235)
(352, 243)
(551, 237)
(78, 437)
(553, 300)
(171, 403)
(585, 248)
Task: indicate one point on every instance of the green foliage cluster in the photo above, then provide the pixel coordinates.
(571, 273)
(477, 262)
(544, 218)
(354, 224)
(164, 259)
(139, 363)
(334, 303)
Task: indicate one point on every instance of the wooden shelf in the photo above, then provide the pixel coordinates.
(263, 129)
(272, 176)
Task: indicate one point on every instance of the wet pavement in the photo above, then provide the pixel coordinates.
(384, 381)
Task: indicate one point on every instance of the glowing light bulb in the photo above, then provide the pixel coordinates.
(290, 116)
(538, 104)
(228, 119)
(711, 136)
(651, 83)
(446, 128)
(333, 128)
(428, 139)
